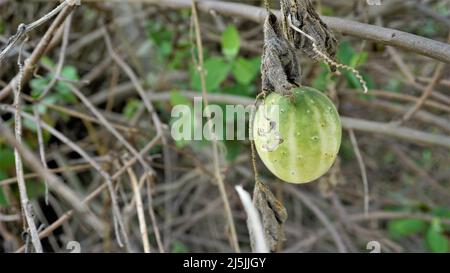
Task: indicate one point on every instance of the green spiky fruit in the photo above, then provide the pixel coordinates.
(297, 137)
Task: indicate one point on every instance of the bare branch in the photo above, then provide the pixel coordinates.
(41, 147)
(362, 167)
(218, 175)
(27, 208)
(427, 47)
(40, 49)
(426, 93)
(62, 56)
(140, 209)
(322, 217)
(389, 129)
(66, 216)
(23, 29)
(53, 181)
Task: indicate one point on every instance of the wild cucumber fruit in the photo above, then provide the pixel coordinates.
(299, 139)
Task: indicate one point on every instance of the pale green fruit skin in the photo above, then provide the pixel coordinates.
(311, 131)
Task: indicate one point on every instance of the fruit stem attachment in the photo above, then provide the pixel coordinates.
(327, 59)
(250, 133)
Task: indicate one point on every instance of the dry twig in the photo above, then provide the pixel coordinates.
(362, 168)
(140, 209)
(218, 175)
(30, 62)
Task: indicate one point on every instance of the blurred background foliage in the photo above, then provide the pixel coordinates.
(164, 46)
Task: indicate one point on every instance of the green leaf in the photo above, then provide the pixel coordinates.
(161, 38)
(359, 59)
(30, 125)
(48, 62)
(176, 98)
(181, 56)
(6, 159)
(35, 188)
(346, 150)
(442, 8)
(69, 73)
(245, 71)
(327, 11)
(165, 49)
(50, 99)
(216, 71)
(322, 80)
(230, 42)
(345, 53)
(2, 27)
(131, 107)
(352, 80)
(233, 149)
(158, 33)
(443, 212)
(437, 242)
(406, 227)
(427, 156)
(64, 93)
(38, 86)
(178, 247)
(3, 201)
(428, 29)
(240, 90)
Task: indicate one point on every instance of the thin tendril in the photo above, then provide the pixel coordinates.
(327, 59)
(267, 5)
